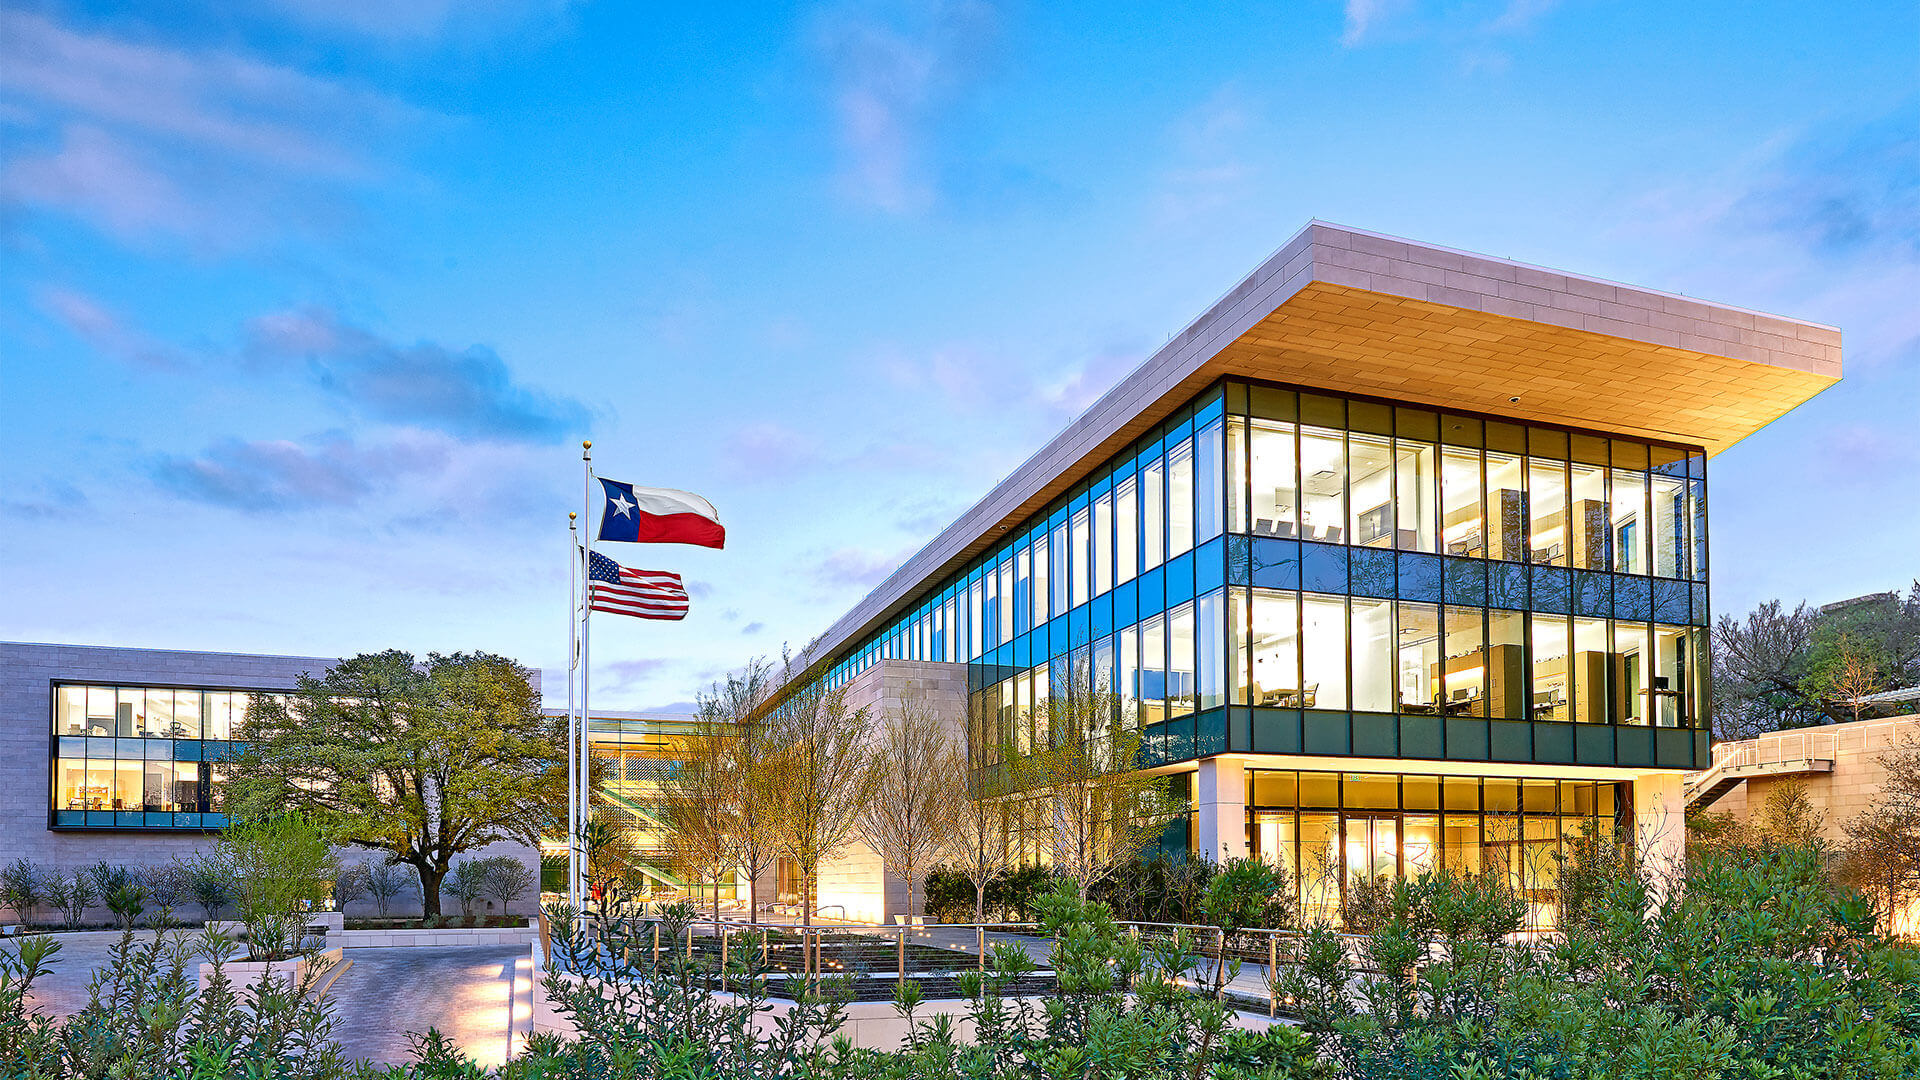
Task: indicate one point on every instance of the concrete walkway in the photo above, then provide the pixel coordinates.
(480, 996)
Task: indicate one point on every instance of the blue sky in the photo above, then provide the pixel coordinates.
(304, 308)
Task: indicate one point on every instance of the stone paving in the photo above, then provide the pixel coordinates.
(480, 995)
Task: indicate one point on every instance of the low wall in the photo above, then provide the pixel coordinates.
(393, 939)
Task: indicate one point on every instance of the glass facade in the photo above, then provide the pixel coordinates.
(1281, 570)
(142, 757)
(630, 756)
(1328, 831)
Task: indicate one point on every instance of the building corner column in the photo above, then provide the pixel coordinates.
(1660, 827)
(1220, 809)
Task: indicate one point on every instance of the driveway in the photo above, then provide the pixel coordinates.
(479, 995)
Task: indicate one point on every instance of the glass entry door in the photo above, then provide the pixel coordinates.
(1372, 847)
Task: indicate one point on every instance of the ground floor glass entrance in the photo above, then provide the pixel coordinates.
(1330, 832)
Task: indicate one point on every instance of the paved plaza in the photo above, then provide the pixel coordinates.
(480, 996)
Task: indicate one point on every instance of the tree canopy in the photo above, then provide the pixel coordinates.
(1784, 668)
(421, 759)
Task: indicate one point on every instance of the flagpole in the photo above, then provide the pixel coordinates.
(583, 809)
(573, 673)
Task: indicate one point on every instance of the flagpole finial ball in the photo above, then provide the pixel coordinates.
(586, 444)
(571, 516)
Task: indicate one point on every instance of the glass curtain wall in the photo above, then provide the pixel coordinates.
(141, 756)
(1329, 832)
(1392, 559)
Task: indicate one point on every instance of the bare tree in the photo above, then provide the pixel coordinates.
(980, 848)
(819, 762)
(752, 793)
(385, 881)
(697, 800)
(506, 879)
(1855, 675)
(919, 791)
(1082, 763)
(1883, 844)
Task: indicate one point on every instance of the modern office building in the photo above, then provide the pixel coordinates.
(118, 755)
(1397, 556)
(631, 752)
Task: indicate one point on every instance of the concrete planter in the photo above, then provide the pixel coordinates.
(392, 939)
(325, 965)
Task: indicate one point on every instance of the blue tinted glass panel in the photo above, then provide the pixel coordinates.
(129, 819)
(1672, 601)
(186, 821)
(1102, 608)
(72, 747)
(1153, 592)
(1700, 605)
(1239, 560)
(1180, 580)
(1465, 581)
(1323, 568)
(1372, 572)
(1592, 594)
(1419, 577)
(1552, 589)
(1126, 604)
(1276, 564)
(70, 817)
(1507, 585)
(1209, 566)
(213, 821)
(97, 818)
(1057, 639)
(1632, 597)
(99, 747)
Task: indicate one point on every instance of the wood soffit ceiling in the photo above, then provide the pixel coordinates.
(1349, 340)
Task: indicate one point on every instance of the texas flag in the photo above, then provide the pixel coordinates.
(643, 515)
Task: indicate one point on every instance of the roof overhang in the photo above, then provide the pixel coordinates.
(1357, 312)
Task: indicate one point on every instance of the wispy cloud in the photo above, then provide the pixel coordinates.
(894, 74)
(1363, 16)
(419, 20)
(104, 330)
(280, 475)
(141, 139)
(770, 449)
(1845, 190)
(46, 499)
(1472, 24)
(468, 392)
(854, 567)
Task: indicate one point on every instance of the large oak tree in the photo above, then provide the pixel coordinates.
(422, 760)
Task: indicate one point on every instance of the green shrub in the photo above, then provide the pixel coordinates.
(950, 895)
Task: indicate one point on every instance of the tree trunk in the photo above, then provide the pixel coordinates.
(430, 879)
(980, 901)
(753, 898)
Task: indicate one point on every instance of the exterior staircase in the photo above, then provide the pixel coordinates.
(1803, 754)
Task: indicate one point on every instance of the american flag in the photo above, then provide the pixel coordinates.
(644, 594)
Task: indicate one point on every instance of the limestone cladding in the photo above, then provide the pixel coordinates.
(27, 675)
(855, 882)
(1857, 750)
